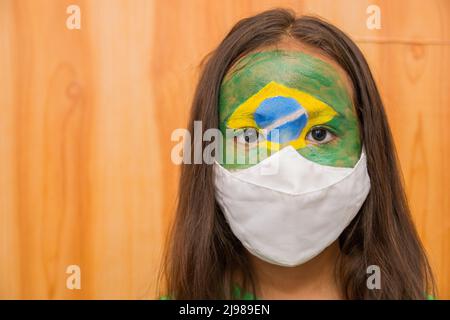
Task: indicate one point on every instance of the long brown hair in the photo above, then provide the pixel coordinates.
(203, 255)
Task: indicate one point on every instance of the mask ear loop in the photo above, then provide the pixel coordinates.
(363, 154)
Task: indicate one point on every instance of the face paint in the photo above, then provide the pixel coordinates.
(301, 96)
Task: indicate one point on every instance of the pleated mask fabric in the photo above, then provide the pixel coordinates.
(287, 209)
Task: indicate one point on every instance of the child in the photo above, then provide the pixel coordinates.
(298, 96)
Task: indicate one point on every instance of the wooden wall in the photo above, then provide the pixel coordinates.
(86, 117)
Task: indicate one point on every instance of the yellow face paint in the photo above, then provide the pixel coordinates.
(317, 113)
(302, 96)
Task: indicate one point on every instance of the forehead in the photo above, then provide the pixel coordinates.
(294, 69)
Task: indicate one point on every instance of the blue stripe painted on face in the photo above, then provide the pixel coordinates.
(290, 130)
(276, 108)
(272, 109)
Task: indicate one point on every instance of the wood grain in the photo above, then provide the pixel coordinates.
(86, 117)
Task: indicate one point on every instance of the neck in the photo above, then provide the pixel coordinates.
(314, 279)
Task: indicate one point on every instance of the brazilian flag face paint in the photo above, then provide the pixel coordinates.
(291, 111)
(277, 98)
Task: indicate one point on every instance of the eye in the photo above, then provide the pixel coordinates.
(248, 136)
(320, 135)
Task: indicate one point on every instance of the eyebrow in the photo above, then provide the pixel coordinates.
(285, 118)
(314, 113)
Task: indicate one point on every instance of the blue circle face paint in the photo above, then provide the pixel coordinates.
(284, 114)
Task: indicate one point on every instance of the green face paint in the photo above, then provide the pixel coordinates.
(301, 96)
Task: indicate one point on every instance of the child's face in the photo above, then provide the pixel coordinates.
(302, 96)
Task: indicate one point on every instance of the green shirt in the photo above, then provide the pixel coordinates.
(237, 293)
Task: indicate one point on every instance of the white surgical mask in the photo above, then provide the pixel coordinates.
(287, 209)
